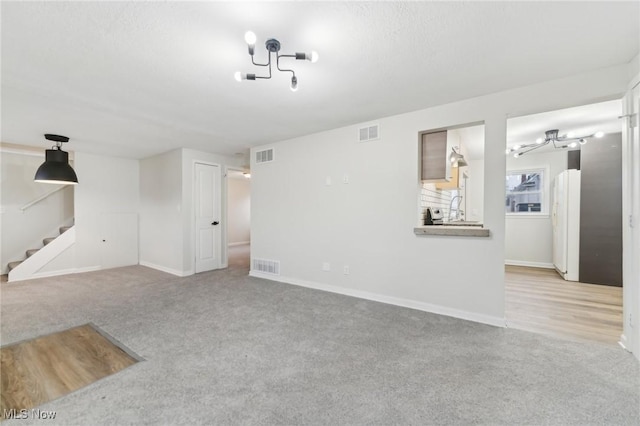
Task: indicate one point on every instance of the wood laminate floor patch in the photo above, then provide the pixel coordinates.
(48, 367)
(539, 300)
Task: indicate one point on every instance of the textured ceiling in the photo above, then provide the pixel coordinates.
(138, 78)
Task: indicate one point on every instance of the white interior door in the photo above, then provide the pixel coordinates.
(119, 232)
(207, 220)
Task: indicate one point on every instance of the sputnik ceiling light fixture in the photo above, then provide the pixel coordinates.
(273, 46)
(569, 140)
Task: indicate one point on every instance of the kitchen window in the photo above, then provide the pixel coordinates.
(526, 192)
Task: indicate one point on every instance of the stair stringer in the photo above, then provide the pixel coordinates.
(28, 268)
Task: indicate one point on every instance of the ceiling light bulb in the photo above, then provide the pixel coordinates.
(507, 151)
(238, 76)
(313, 57)
(570, 134)
(583, 141)
(294, 84)
(516, 147)
(539, 141)
(573, 145)
(517, 154)
(250, 38)
(599, 134)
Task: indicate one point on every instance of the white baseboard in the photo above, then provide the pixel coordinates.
(406, 303)
(60, 272)
(529, 264)
(87, 269)
(29, 267)
(241, 243)
(171, 271)
(623, 343)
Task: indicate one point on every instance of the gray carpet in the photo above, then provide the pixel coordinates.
(224, 348)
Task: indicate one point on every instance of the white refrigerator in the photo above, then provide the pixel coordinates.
(565, 218)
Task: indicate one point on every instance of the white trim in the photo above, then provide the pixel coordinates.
(225, 215)
(87, 269)
(160, 268)
(241, 243)
(623, 343)
(69, 271)
(630, 235)
(66, 272)
(41, 197)
(405, 303)
(529, 264)
(22, 151)
(31, 265)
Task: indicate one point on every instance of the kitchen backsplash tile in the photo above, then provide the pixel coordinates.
(432, 197)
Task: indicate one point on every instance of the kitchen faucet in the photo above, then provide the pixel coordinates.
(458, 212)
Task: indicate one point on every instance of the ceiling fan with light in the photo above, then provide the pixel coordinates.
(569, 140)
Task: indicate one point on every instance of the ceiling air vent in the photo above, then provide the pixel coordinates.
(266, 266)
(264, 156)
(369, 133)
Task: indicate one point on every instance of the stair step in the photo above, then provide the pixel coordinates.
(31, 252)
(48, 240)
(64, 229)
(13, 264)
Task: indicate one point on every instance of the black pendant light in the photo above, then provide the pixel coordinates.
(56, 168)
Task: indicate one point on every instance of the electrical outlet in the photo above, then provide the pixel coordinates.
(346, 269)
(345, 178)
(326, 266)
(327, 181)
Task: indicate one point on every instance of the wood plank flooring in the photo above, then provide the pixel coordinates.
(48, 367)
(539, 300)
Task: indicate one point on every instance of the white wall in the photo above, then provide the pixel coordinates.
(161, 233)
(529, 239)
(238, 210)
(368, 223)
(106, 185)
(166, 216)
(23, 230)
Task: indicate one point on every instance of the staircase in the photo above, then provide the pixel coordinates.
(31, 252)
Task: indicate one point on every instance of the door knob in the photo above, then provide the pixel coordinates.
(214, 223)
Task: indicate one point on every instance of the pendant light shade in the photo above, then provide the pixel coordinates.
(56, 168)
(457, 159)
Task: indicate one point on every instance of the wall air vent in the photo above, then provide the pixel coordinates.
(264, 156)
(266, 266)
(369, 133)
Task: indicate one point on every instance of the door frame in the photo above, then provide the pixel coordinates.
(630, 338)
(222, 252)
(225, 239)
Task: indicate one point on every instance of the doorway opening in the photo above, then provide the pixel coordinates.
(238, 218)
(563, 225)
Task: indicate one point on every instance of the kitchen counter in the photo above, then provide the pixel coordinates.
(453, 230)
